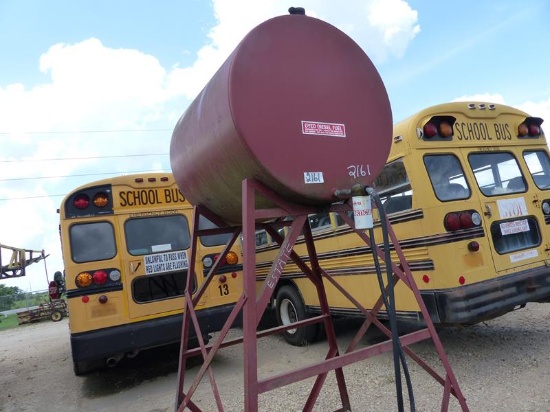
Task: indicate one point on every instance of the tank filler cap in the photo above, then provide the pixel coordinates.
(297, 10)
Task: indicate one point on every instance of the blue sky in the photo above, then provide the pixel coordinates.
(90, 89)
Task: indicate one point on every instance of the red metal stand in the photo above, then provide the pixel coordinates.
(253, 306)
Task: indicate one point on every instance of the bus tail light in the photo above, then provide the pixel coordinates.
(100, 277)
(84, 279)
(438, 128)
(101, 199)
(461, 220)
(430, 130)
(530, 127)
(445, 129)
(232, 258)
(473, 246)
(114, 275)
(97, 200)
(207, 261)
(81, 201)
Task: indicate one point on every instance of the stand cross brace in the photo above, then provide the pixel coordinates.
(254, 304)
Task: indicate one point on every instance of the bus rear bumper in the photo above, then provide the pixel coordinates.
(488, 299)
(101, 344)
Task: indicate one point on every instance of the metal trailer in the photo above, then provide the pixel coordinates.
(54, 310)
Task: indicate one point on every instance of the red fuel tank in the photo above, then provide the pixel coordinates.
(298, 106)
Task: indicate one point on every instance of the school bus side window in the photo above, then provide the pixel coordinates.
(156, 234)
(539, 167)
(394, 188)
(447, 177)
(497, 173)
(92, 241)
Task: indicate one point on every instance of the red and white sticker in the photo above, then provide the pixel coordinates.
(323, 129)
(512, 207)
(517, 226)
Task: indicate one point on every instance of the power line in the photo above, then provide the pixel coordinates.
(81, 158)
(29, 197)
(89, 131)
(79, 175)
(95, 174)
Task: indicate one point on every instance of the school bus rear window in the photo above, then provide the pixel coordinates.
(156, 234)
(91, 242)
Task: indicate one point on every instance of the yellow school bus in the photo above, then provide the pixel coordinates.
(467, 191)
(126, 246)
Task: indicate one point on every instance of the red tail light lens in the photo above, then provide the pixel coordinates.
(223, 262)
(534, 130)
(465, 220)
(81, 201)
(430, 130)
(100, 277)
(452, 222)
(461, 220)
(473, 246)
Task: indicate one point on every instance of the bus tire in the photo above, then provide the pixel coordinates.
(56, 315)
(290, 308)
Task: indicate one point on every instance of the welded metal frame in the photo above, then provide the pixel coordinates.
(253, 306)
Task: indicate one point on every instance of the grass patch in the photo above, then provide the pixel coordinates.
(8, 322)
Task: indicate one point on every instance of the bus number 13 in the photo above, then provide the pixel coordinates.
(224, 289)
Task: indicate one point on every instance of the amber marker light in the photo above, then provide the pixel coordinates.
(231, 258)
(101, 200)
(445, 129)
(84, 279)
(523, 130)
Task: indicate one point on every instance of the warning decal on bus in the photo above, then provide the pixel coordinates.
(528, 254)
(165, 262)
(324, 129)
(517, 226)
(512, 207)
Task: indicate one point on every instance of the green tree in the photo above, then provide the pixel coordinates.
(7, 296)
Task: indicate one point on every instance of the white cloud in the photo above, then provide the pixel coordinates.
(482, 97)
(383, 28)
(536, 109)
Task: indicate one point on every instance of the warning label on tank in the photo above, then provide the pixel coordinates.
(323, 129)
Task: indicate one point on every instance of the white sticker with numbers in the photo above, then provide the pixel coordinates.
(313, 177)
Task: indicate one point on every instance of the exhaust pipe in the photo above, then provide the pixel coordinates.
(133, 354)
(113, 360)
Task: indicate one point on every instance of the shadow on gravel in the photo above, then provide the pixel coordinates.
(148, 365)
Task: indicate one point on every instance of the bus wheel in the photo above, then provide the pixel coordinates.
(290, 309)
(56, 315)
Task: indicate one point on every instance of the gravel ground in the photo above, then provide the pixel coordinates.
(501, 365)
